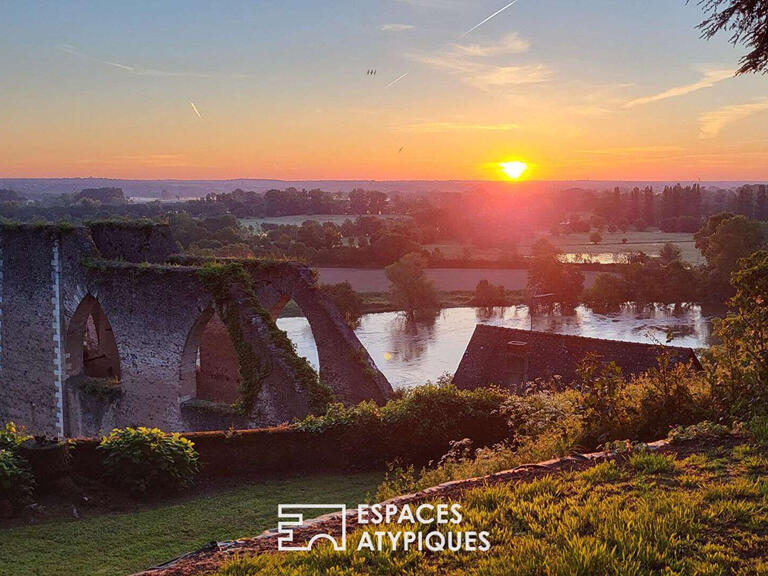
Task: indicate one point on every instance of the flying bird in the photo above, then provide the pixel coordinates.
(489, 18)
(396, 80)
(195, 109)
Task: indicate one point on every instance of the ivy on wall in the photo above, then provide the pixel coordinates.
(219, 279)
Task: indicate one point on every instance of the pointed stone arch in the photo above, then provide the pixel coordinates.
(209, 367)
(90, 346)
(92, 371)
(344, 363)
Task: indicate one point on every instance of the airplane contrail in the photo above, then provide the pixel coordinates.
(396, 80)
(195, 109)
(489, 18)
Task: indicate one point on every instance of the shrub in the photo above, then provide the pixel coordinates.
(667, 396)
(601, 386)
(758, 427)
(11, 436)
(489, 295)
(145, 460)
(738, 364)
(16, 480)
(705, 430)
(416, 425)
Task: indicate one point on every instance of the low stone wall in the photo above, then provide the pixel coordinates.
(281, 450)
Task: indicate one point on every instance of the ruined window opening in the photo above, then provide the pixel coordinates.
(90, 344)
(291, 319)
(210, 369)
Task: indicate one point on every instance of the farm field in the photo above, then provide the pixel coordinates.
(445, 279)
(612, 244)
(118, 544)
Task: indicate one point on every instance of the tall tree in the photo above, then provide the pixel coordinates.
(747, 23)
(411, 290)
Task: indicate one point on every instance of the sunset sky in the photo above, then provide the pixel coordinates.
(600, 89)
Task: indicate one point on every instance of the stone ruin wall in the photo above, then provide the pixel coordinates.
(49, 279)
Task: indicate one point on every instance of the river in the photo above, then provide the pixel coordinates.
(410, 355)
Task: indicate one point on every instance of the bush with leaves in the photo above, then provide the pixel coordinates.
(704, 430)
(143, 460)
(738, 364)
(11, 436)
(666, 396)
(16, 480)
(416, 425)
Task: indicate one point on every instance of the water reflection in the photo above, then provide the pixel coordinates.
(410, 353)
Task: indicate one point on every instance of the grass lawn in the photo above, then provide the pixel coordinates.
(126, 543)
(653, 514)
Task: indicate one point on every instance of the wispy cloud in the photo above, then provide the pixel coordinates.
(140, 70)
(471, 63)
(510, 44)
(709, 79)
(483, 75)
(396, 27)
(431, 127)
(711, 123)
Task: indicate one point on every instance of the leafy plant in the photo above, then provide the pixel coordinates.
(704, 430)
(11, 436)
(738, 364)
(758, 427)
(143, 460)
(16, 480)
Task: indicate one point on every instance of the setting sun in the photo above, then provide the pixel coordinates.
(514, 169)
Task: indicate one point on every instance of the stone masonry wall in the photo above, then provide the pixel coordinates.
(28, 389)
(51, 278)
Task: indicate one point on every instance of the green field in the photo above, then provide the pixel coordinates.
(612, 243)
(119, 544)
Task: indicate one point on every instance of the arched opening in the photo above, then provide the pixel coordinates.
(291, 319)
(209, 365)
(90, 345)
